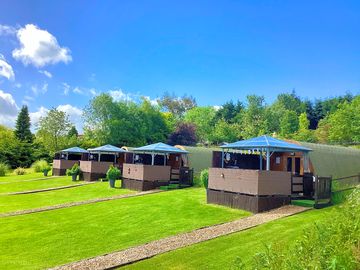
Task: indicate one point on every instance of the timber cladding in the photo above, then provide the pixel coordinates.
(95, 166)
(146, 172)
(140, 185)
(63, 163)
(254, 204)
(251, 182)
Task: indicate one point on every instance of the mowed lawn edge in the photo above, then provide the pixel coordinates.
(61, 236)
(223, 252)
(56, 197)
(16, 178)
(51, 182)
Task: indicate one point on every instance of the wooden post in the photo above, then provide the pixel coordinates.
(99, 157)
(261, 165)
(164, 159)
(268, 159)
(316, 189)
(222, 158)
(152, 159)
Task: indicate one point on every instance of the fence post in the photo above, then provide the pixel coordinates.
(316, 189)
(359, 177)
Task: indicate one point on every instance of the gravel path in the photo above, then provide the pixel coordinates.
(157, 247)
(47, 189)
(65, 205)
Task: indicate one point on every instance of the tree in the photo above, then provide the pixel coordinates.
(155, 128)
(345, 123)
(22, 128)
(53, 130)
(9, 152)
(253, 117)
(229, 111)
(225, 132)
(291, 102)
(322, 131)
(185, 134)
(289, 124)
(73, 132)
(304, 133)
(202, 118)
(178, 106)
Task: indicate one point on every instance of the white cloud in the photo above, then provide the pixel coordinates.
(46, 73)
(5, 69)
(27, 100)
(74, 113)
(18, 85)
(35, 116)
(39, 89)
(7, 30)
(93, 92)
(153, 102)
(217, 107)
(39, 48)
(8, 109)
(120, 95)
(66, 88)
(77, 90)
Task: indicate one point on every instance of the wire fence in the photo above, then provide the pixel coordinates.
(345, 183)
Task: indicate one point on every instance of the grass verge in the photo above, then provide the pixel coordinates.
(51, 182)
(49, 198)
(61, 236)
(221, 253)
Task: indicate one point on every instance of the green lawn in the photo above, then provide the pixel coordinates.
(35, 200)
(55, 237)
(37, 184)
(15, 178)
(221, 253)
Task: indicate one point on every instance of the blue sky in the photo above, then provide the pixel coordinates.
(62, 53)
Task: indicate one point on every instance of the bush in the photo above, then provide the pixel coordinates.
(40, 165)
(75, 170)
(19, 171)
(113, 173)
(333, 244)
(4, 168)
(204, 178)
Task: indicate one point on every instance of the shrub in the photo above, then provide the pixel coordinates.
(332, 244)
(113, 173)
(40, 165)
(19, 171)
(204, 178)
(75, 170)
(4, 168)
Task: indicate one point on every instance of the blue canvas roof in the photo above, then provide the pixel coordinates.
(107, 148)
(266, 142)
(159, 148)
(76, 150)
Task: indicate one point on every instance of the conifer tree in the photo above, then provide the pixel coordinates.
(22, 129)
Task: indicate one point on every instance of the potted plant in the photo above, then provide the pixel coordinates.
(112, 174)
(74, 171)
(46, 169)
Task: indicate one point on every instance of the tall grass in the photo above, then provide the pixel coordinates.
(40, 165)
(333, 244)
(4, 168)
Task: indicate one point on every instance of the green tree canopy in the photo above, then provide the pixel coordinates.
(253, 118)
(289, 124)
(178, 106)
(53, 130)
(345, 123)
(202, 118)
